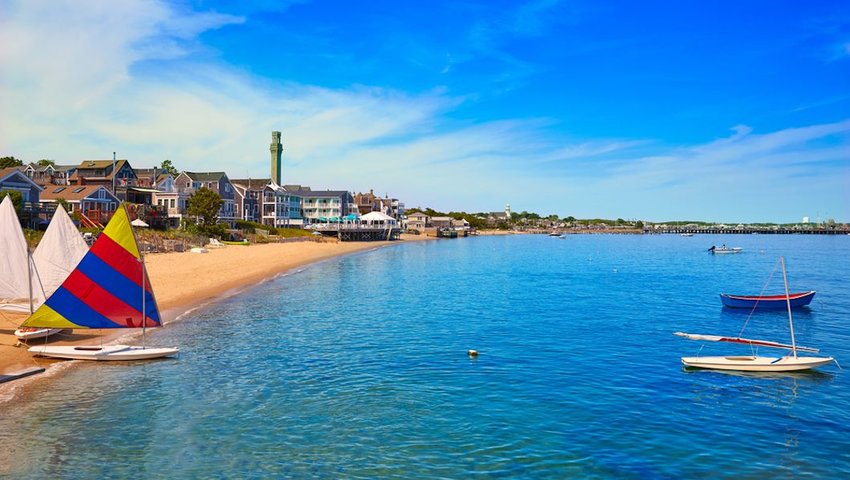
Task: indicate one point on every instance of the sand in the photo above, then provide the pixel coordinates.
(183, 280)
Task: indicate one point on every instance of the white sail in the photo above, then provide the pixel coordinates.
(15, 262)
(58, 253)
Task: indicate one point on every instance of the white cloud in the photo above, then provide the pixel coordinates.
(83, 79)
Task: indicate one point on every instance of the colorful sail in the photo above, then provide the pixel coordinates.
(105, 289)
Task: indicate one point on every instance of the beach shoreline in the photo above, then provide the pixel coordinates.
(183, 282)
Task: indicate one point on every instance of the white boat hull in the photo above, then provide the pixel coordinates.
(757, 364)
(106, 353)
(30, 334)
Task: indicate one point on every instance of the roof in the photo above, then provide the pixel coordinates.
(296, 188)
(373, 216)
(8, 172)
(71, 193)
(205, 176)
(320, 193)
(251, 182)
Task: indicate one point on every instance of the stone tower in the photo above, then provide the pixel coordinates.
(277, 150)
(508, 210)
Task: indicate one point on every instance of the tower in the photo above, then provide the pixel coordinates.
(508, 210)
(276, 150)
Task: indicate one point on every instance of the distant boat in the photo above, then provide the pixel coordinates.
(725, 249)
(107, 289)
(687, 234)
(766, 302)
(756, 363)
(554, 234)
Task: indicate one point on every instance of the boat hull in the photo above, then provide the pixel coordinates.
(27, 333)
(720, 251)
(756, 364)
(105, 353)
(766, 302)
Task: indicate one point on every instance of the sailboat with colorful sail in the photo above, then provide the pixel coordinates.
(758, 363)
(108, 289)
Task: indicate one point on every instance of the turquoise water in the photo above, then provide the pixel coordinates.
(357, 368)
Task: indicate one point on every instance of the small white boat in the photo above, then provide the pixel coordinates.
(725, 249)
(31, 333)
(687, 234)
(756, 363)
(107, 352)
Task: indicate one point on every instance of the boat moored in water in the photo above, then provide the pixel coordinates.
(725, 249)
(767, 301)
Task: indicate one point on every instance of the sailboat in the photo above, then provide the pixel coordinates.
(107, 289)
(58, 252)
(757, 363)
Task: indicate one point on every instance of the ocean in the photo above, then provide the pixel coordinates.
(357, 367)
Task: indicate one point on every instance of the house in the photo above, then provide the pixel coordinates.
(441, 222)
(461, 224)
(48, 174)
(188, 182)
(170, 202)
(418, 221)
(94, 203)
(323, 204)
(14, 179)
(369, 202)
(263, 201)
(109, 173)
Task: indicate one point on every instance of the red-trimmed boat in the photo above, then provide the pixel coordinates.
(766, 302)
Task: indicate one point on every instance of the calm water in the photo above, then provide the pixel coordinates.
(357, 368)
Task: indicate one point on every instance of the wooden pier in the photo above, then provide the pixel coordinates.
(357, 233)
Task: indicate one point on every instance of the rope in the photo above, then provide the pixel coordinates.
(761, 294)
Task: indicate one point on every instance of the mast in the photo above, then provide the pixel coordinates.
(29, 275)
(788, 304)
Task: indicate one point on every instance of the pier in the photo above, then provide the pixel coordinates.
(353, 232)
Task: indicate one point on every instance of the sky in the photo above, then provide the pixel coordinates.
(721, 111)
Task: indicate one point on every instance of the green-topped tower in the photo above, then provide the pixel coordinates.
(276, 149)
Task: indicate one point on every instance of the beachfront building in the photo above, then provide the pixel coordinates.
(188, 182)
(418, 221)
(115, 175)
(14, 180)
(263, 201)
(48, 174)
(321, 205)
(94, 204)
(441, 222)
(369, 202)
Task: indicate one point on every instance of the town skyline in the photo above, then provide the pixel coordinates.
(724, 112)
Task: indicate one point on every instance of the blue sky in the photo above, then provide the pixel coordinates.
(717, 111)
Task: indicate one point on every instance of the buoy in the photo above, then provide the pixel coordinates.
(472, 353)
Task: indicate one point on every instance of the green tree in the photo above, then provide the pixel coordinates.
(169, 167)
(45, 162)
(7, 162)
(17, 200)
(203, 206)
(639, 225)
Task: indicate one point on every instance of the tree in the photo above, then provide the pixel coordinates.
(204, 205)
(45, 162)
(639, 225)
(169, 167)
(7, 162)
(17, 200)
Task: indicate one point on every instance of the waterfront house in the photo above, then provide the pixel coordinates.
(441, 222)
(418, 221)
(13, 179)
(109, 173)
(263, 201)
(369, 202)
(188, 182)
(323, 204)
(94, 203)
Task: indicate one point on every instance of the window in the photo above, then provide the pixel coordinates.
(58, 189)
(78, 189)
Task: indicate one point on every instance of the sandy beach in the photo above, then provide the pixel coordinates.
(184, 280)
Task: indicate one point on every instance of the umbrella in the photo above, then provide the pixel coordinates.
(139, 223)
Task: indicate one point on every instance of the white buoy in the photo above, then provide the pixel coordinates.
(472, 353)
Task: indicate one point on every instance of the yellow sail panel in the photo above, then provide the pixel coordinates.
(121, 232)
(46, 317)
